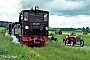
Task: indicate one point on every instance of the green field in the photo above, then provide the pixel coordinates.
(86, 38)
(57, 51)
(51, 51)
(1, 29)
(11, 51)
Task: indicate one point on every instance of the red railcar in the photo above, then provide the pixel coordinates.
(33, 26)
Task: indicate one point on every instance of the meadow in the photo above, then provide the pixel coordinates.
(86, 38)
(58, 51)
(1, 29)
(51, 51)
(12, 51)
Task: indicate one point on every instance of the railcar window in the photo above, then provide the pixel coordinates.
(17, 29)
(25, 16)
(45, 17)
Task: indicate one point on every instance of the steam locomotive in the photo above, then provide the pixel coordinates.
(32, 28)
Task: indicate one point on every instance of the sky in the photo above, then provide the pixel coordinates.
(62, 13)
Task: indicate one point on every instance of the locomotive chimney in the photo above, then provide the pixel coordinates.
(36, 8)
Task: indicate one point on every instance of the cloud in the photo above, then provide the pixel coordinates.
(9, 10)
(8, 7)
(64, 7)
(63, 13)
(59, 7)
(78, 21)
(9, 18)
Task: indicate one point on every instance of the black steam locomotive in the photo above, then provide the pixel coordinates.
(32, 28)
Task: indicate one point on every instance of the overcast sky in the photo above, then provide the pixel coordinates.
(63, 13)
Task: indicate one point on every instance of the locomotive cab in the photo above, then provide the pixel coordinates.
(34, 27)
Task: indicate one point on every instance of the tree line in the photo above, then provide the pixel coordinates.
(84, 29)
(87, 30)
(4, 23)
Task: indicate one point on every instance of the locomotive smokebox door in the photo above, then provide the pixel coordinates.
(10, 29)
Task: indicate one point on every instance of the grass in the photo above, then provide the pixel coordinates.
(56, 51)
(1, 29)
(11, 51)
(86, 38)
(51, 51)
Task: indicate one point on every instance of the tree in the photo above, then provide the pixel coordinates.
(87, 29)
(83, 29)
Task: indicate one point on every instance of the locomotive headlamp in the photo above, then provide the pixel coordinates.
(25, 19)
(46, 28)
(26, 27)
